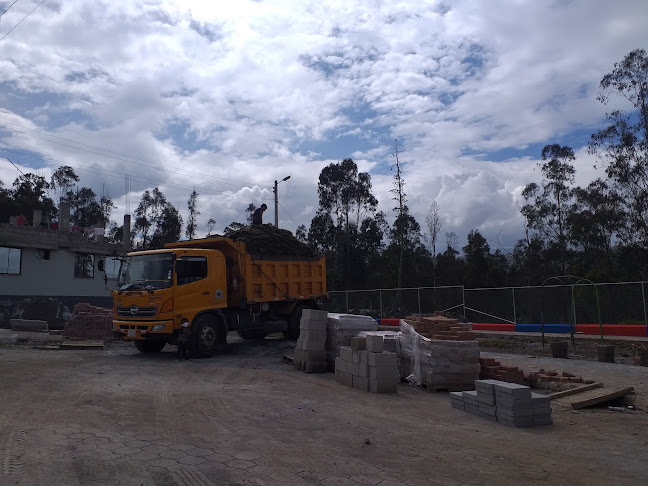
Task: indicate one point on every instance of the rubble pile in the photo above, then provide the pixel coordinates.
(265, 241)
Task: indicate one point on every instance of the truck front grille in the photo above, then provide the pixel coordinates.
(134, 311)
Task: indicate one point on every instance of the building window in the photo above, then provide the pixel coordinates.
(42, 254)
(83, 265)
(10, 260)
(111, 267)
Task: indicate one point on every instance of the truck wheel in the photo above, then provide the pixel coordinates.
(207, 333)
(292, 331)
(150, 346)
(256, 334)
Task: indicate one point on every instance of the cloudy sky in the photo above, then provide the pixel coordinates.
(226, 97)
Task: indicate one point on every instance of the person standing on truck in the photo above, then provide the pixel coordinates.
(183, 340)
(257, 217)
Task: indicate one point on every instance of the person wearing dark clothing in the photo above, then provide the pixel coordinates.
(257, 217)
(183, 341)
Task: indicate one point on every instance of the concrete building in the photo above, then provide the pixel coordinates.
(44, 272)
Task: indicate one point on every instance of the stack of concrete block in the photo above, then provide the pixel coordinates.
(437, 364)
(90, 322)
(389, 339)
(509, 403)
(340, 329)
(310, 351)
(366, 366)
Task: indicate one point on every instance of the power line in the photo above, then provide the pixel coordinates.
(289, 217)
(8, 8)
(119, 156)
(21, 20)
(15, 166)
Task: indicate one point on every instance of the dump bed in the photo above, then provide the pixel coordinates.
(267, 277)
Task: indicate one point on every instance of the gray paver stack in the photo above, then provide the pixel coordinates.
(340, 329)
(310, 351)
(509, 403)
(366, 366)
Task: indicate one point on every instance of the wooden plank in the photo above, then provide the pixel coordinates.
(592, 397)
(82, 345)
(573, 391)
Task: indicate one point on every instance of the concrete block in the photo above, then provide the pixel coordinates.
(383, 373)
(345, 379)
(314, 315)
(363, 370)
(487, 416)
(517, 391)
(381, 359)
(304, 355)
(375, 344)
(29, 325)
(511, 414)
(457, 405)
(353, 368)
(315, 367)
(520, 422)
(486, 400)
(382, 386)
(346, 354)
(471, 409)
(487, 409)
(356, 356)
(341, 365)
(358, 343)
(364, 358)
(360, 383)
(508, 402)
(311, 344)
(308, 325)
(458, 396)
(470, 397)
(540, 401)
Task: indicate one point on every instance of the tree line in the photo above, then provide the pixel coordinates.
(598, 232)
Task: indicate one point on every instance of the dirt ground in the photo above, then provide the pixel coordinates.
(117, 417)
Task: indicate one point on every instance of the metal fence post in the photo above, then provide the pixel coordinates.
(346, 295)
(381, 310)
(514, 315)
(418, 291)
(463, 300)
(643, 296)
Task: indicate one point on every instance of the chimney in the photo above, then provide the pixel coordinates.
(38, 215)
(64, 216)
(126, 233)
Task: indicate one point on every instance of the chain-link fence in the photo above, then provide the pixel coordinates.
(619, 303)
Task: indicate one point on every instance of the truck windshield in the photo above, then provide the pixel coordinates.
(146, 272)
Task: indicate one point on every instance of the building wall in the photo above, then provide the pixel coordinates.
(53, 277)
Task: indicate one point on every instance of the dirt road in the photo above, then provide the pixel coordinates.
(117, 417)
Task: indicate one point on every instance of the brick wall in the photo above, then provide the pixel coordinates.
(90, 322)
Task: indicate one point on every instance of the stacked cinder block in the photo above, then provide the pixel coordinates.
(437, 364)
(310, 352)
(509, 403)
(389, 339)
(365, 365)
(340, 329)
(90, 322)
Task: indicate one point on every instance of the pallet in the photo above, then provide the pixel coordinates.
(446, 388)
(288, 359)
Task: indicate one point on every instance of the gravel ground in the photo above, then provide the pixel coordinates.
(117, 417)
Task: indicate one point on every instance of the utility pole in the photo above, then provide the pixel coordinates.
(276, 195)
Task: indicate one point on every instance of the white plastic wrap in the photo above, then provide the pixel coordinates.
(341, 328)
(436, 362)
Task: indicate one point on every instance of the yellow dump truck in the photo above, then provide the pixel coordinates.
(216, 285)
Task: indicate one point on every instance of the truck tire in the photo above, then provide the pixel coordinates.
(152, 346)
(292, 331)
(255, 334)
(207, 334)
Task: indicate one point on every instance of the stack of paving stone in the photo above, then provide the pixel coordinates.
(90, 322)
(366, 366)
(437, 364)
(509, 403)
(310, 352)
(441, 328)
(340, 329)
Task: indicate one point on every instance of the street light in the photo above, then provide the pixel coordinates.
(277, 200)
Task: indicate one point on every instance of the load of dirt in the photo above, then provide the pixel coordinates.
(266, 240)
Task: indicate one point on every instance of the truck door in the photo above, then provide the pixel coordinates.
(192, 291)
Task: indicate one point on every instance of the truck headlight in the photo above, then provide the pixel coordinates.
(158, 328)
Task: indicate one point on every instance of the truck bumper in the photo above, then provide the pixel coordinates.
(140, 330)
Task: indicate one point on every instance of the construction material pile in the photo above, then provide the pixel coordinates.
(340, 329)
(310, 352)
(90, 322)
(389, 338)
(509, 403)
(437, 363)
(366, 366)
(440, 327)
(265, 241)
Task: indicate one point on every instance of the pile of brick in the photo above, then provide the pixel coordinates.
(366, 366)
(439, 327)
(437, 364)
(90, 322)
(509, 403)
(340, 329)
(554, 376)
(491, 369)
(310, 352)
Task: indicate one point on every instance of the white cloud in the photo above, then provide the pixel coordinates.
(229, 97)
